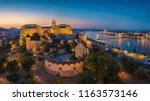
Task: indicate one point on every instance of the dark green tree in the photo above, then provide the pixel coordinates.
(46, 47)
(91, 62)
(14, 77)
(22, 48)
(12, 66)
(27, 60)
(52, 36)
(2, 69)
(149, 70)
(68, 46)
(103, 65)
(95, 48)
(28, 63)
(130, 65)
(140, 73)
(134, 51)
(87, 77)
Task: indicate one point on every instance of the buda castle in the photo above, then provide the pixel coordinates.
(58, 40)
(30, 29)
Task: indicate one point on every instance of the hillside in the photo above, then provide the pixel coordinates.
(10, 33)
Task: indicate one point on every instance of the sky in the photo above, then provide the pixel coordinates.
(93, 14)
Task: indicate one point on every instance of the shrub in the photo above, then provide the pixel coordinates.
(14, 77)
(140, 73)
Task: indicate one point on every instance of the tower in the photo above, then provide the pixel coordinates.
(28, 42)
(53, 23)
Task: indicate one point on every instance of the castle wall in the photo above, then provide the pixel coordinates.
(33, 28)
(40, 30)
(64, 69)
(28, 44)
(30, 31)
(50, 30)
(66, 30)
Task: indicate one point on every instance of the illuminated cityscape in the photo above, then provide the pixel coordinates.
(74, 42)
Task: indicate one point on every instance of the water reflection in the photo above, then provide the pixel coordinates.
(141, 45)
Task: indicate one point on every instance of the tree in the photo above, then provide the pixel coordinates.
(87, 77)
(39, 58)
(91, 66)
(130, 65)
(77, 36)
(108, 68)
(29, 79)
(12, 66)
(112, 79)
(2, 58)
(2, 69)
(14, 77)
(95, 48)
(21, 57)
(28, 63)
(56, 80)
(28, 54)
(72, 58)
(103, 65)
(91, 62)
(22, 48)
(140, 73)
(149, 70)
(144, 54)
(52, 36)
(68, 46)
(5, 47)
(134, 51)
(56, 42)
(27, 60)
(2, 63)
(46, 47)
(29, 76)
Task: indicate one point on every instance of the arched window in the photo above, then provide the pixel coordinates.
(60, 68)
(74, 68)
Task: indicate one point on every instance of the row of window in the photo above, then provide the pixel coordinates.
(60, 68)
(68, 64)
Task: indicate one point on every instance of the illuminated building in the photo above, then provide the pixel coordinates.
(29, 29)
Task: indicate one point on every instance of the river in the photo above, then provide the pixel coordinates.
(141, 45)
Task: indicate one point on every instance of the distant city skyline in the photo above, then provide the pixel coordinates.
(96, 14)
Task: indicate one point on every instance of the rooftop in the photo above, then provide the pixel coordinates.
(64, 62)
(35, 37)
(62, 25)
(65, 37)
(30, 26)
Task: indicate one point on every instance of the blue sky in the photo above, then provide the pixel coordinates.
(110, 14)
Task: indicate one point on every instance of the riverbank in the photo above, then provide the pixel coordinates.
(134, 55)
(141, 45)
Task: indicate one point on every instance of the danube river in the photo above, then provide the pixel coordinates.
(141, 45)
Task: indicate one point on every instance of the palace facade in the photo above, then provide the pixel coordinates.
(30, 29)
